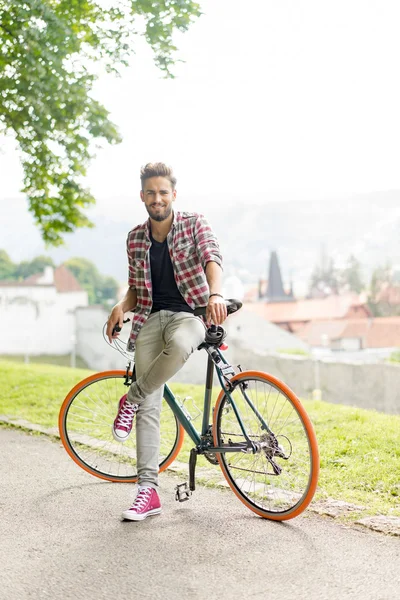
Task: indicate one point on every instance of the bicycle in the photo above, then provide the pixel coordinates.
(260, 434)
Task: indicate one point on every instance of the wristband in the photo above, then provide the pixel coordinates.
(211, 295)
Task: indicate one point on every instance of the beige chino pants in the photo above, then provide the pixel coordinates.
(163, 345)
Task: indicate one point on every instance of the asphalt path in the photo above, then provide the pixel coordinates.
(61, 537)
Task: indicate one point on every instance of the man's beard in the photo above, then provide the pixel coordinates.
(160, 217)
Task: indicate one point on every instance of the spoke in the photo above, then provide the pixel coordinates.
(273, 410)
(117, 396)
(81, 420)
(281, 408)
(252, 471)
(85, 408)
(99, 399)
(103, 408)
(264, 407)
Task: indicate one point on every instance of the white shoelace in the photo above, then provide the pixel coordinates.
(126, 415)
(141, 499)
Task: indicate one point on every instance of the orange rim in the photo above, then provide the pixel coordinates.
(61, 427)
(311, 437)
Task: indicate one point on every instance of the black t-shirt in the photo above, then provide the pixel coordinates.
(166, 295)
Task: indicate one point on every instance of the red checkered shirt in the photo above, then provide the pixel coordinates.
(191, 244)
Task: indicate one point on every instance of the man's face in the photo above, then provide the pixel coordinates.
(158, 197)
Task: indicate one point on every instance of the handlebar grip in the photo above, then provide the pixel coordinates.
(117, 328)
(232, 306)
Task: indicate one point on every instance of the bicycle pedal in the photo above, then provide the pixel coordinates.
(182, 492)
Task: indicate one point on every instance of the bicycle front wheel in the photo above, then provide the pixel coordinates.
(278, 480)
(85, 421)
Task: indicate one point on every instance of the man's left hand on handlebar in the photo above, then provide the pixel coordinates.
(216, 310)
(116, 318)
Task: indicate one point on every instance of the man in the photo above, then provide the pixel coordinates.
(175, 265)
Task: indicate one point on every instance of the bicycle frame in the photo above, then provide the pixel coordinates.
(202, 440)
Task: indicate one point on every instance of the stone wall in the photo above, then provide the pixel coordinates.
(370, 386)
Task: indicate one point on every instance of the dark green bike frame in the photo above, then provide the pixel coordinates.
(203, 440)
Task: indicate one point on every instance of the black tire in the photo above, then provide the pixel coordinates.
(85, 421)
(278, 481)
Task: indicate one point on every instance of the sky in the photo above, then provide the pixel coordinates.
(275, 100)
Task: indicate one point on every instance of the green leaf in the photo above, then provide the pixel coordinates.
(48, 53)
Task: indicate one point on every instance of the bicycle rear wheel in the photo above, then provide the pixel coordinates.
(279, 480)
(85, 420)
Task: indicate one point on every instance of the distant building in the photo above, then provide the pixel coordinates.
(275, 291)
(37, 315)
(247, 329)
(353, 334)
(271, 289)
(388, 298)
(293, 315)
(278, 306)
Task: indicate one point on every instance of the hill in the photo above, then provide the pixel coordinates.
(366, 225)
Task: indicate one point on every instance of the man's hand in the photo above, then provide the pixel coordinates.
(116, 318)
(216, 310)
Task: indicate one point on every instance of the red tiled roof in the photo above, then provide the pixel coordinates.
(385, 333)
(332, 307)
(382, 332)
(317, 332)
(389, 294)
(355, 328)
(32, 279)
(65, 281)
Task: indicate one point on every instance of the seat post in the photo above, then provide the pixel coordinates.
(207, 395)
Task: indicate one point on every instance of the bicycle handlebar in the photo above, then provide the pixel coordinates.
(232, 306)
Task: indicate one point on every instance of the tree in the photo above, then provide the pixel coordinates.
(350, 276)
(327, 279)
(86, 273)
(7, 267)
(382, 275)
(324, 280)
(100, 288)
(26, 268)
(48, 55)
(384, 296)
(108, 289)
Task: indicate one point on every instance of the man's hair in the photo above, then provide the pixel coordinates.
(157, 169)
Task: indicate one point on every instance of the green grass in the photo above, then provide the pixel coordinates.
(394, 357)
(293, 351)
(360, 452)
(63, 360)
(360, 449)
(34, 392)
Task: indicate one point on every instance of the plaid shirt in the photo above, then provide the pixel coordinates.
(191, 244)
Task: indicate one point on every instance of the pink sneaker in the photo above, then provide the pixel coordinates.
(122, 426)
(147, 503)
